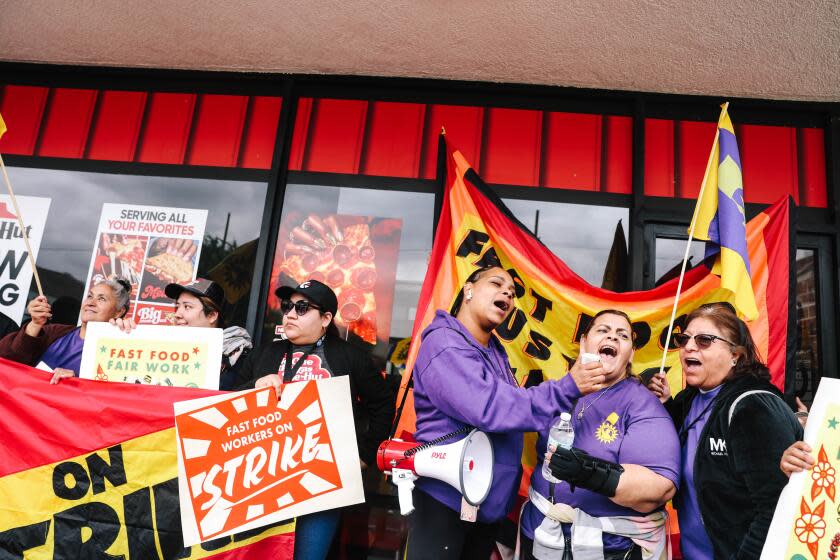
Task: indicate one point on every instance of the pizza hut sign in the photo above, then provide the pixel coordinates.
(246, 460)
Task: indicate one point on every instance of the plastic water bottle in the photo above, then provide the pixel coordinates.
(562, 435)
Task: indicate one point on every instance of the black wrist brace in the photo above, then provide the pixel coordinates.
(578, 468)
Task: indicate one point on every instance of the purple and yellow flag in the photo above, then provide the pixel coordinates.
(720, 219)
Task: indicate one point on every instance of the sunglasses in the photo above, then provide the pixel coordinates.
(703, 341)
(300, 306)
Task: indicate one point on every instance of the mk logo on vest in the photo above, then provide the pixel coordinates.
(718, 446)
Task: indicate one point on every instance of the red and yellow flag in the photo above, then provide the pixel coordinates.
(89, 469)
(553, 304)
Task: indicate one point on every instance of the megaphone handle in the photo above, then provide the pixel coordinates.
(406, 500)
(404, 479)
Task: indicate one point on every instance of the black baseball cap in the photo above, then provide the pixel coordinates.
(200, 287)
(318, 293)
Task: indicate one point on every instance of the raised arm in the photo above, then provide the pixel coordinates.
(458, 382)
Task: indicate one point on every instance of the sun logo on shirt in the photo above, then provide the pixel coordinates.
(607, 432)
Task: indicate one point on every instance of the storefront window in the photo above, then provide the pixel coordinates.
(670, 254)
(75, 249)
(591, 240)
(807, 326)
(371, 246)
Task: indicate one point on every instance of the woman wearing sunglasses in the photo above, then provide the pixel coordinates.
(733, 427)
(313, 349)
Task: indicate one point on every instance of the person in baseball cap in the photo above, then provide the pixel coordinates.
(313, 350)
(318, 293)
(198, 304)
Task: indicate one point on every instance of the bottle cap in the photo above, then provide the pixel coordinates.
(565, 416)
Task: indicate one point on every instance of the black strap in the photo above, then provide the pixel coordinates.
(683, 435)
(289, 372)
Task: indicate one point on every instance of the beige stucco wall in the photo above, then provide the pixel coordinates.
(788, 49)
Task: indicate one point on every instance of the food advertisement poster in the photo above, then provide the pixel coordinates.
(15, 269)
(153, 355)
(356, 256)
(246, 460)
(150, 246)
(806, 524)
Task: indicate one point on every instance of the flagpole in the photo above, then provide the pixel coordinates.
(667, 344)
(22, 228)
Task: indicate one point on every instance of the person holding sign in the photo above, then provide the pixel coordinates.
(623, 466)
(462, 380)
(199, 304)
(733, 427)
(314, 350)
(59, 347)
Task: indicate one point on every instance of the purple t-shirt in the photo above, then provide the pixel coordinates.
(624, 423)
(65, 352)
(694, 541)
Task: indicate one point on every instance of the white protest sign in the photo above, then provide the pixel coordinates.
(246, 461)
(153, 355)
(15, 269)
(807, 516)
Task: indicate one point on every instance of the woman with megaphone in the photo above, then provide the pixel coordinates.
(608, 488)
(462, 380)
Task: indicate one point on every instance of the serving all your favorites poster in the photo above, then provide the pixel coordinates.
(150, 246)
(153, 355)
(246, 460)
(806, 525)
(15, 269)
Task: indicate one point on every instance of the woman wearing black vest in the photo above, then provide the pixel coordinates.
(313, 349)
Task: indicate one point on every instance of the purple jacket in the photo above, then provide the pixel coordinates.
(458, 382)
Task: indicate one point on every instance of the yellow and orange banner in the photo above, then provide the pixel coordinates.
(553, 304)
(89, 470)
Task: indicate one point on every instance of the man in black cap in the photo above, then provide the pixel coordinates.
(313, 349)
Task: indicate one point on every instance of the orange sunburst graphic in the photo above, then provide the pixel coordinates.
(248, 457)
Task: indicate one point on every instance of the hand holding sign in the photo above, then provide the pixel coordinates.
(270, 380)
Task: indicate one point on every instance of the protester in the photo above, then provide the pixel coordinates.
(60, 346)
(199, 304)
(313, 349)
(734, 427)
(462, 380)
(623, 467)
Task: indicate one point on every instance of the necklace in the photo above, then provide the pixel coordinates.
(588, 405)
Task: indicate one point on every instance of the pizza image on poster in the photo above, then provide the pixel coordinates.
(353, 255)
(168, 260)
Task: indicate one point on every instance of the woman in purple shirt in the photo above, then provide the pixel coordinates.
(462, 380)
(60, 346)
(622, 468)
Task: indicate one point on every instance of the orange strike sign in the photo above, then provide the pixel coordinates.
(247, 460)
